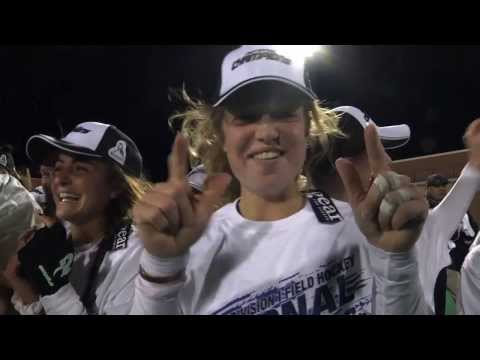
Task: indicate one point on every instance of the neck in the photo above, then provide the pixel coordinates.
(258, 208)
(333, 186)
(89, 231)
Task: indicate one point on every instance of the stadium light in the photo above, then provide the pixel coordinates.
(299, 53)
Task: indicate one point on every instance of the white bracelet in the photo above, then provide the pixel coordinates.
(34, 308)
(162, 267)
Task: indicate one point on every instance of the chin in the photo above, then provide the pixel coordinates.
(66, 215)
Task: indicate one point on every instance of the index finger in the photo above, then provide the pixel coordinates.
(375, 151)
(178, 159)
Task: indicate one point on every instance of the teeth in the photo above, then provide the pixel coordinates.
(67, 196)
(268, 155)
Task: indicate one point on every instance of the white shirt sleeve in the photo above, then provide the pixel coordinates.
(64, 302)
(469, 296)
(397, 285)
(449, 213)
(158, 299)
(432, 247)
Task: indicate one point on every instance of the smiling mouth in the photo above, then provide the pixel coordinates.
(68, 197)
(267, 155)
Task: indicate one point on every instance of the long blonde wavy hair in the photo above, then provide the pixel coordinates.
(201, 124)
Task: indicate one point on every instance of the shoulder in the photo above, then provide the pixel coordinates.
(471, 265)
(126, 243)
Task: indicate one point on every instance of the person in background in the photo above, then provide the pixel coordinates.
(272, 249)
(448, 281)
(87, 262)
(18, 214)
(434, 244)
(43, 192)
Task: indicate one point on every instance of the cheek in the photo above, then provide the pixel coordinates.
(295, 138)
(235, 140)
(98, 193)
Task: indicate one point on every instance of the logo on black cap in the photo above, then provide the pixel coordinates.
(3, 160)
(119, 152)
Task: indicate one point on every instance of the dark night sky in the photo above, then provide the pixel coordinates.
(434, 89)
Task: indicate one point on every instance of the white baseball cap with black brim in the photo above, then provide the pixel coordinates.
(196, 177)
(392, 137)
(251, 64)
(90, 139)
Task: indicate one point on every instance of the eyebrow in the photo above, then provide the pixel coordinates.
(76, 160)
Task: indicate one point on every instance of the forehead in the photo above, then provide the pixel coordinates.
(69, 157)
(265, 96)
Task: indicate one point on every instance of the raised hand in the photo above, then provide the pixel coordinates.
(472, 140)
(168, 218)
(392, 211)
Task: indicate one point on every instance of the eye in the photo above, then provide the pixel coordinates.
(243, 119)
(57, 167)
(82, 168)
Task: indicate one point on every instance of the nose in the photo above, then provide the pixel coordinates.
(267, 131)
(62, 176)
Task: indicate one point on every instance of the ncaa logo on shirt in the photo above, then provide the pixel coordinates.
(324, 208)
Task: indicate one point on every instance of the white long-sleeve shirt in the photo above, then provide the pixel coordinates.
(302, 264)
(433, 250)
(468, 302)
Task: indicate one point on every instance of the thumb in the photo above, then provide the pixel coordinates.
(214, 189)
(351, 181)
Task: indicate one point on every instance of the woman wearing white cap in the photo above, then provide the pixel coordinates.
(273, 250)
(433, 245)
(88, 266)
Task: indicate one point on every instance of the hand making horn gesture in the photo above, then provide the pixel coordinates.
(392, 212)
(168, 218)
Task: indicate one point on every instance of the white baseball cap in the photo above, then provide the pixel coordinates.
(91, 139)
(253, 63)
(197, 176)
(392, 137)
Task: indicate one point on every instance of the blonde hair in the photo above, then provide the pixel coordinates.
(128, 189)
(201, 124)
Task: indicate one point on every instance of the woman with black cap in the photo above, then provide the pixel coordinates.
(88, 261)
(273, 250)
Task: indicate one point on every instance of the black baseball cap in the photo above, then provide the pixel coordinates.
(91, 139)
(437, 180)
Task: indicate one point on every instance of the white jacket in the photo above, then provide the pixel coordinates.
(18, 211)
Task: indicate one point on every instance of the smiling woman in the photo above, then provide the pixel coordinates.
(87, 262)
(271, 249)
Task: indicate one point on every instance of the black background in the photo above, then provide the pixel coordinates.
(434, 89)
